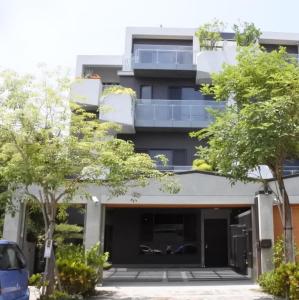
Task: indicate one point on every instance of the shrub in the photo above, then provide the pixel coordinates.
(58, 295)
(201, 165)
(118, 89)
(271, 283)
(79, 271)
(278, 252)
(36, 280)
(284, 279)
(76, 277)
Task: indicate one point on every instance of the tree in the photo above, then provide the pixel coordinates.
(262, 127)
(51, 149)
(246, 34)
(209, 34)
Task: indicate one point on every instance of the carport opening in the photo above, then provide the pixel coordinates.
(179, 237)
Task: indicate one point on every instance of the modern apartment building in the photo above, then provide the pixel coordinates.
(209, 223)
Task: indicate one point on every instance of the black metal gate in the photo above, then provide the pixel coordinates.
(240, 236)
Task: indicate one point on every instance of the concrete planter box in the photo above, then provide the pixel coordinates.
(118, 108)
(208, 62)
(87, 91)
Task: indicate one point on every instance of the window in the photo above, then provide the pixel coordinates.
(11, 258)
(175, 157)
(183, 93)
(146, 92)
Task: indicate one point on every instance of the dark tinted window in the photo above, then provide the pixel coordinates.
(175, 93)
(11, 258)
(176, 157)
(188, 93)
(146, 92)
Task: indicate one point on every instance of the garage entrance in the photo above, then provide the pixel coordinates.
(178, 237)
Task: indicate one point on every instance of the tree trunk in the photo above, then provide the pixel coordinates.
(49, 273)
(288, 224)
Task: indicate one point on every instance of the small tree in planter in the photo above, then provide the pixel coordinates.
(246, 34)
(209, 34)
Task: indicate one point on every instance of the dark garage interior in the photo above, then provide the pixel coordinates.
(199, 237)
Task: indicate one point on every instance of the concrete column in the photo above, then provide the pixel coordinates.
(13, 229)
(92, 223)
(266, 229)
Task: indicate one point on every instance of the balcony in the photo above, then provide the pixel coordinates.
(147, 59)
(118, 108)
(175, 113)
(87, 92)
(211, 61)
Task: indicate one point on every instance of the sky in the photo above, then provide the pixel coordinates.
(54, 32)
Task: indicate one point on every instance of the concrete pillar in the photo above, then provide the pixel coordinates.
(93, 223)
(13, 229)
(266, 229)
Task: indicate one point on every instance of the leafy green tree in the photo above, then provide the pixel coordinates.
(246, 34)
(51, 149)
(262, 127)
(209, 34)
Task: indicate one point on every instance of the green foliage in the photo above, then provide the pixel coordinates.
(79, 271)
(262, 127)
(51, 149)
(209, 34)
(278, 252)
(201, 165)
(107, 266)
(36, 280)
(283, 281)
(59, 295)
(65, 232)
(246, 34)
(272, 284)
(118, 89)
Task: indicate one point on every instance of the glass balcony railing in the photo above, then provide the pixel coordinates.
(157, 57)
(174, 168)
(290, 170)
(175, 113)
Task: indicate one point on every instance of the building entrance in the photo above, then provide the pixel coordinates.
(216, 242)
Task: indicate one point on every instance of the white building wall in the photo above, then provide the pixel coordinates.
(266, 229)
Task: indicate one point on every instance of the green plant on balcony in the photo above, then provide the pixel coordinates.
(246, 34)
(201, 165)
(118, 90)
(209, 34)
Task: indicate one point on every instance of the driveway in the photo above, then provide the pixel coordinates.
(197, 291)
(167, 275)
(200, 291)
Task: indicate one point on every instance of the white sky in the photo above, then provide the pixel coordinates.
(55, 31)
